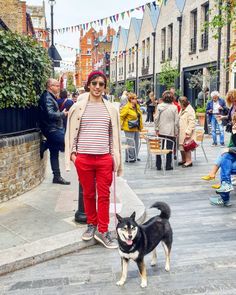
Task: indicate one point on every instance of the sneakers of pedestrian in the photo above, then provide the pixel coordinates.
(225, 188)
(60, 180)
(89, 233)
(233, 180)
(218, 201)
(222, 145)
(105, 239)
(214, 144)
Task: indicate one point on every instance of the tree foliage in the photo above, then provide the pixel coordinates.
(168, 75)
(70, 83)
(24, 69)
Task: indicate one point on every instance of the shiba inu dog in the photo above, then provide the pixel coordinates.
(135, 241)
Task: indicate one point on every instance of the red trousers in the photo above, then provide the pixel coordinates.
(95, 177)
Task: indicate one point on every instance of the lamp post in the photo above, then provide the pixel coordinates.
(52, 51)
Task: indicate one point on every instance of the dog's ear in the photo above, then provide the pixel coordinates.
(133, 216)
(119, 218)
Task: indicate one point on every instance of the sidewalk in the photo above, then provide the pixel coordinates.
(39, 225)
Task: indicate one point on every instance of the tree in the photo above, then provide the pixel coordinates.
(168, 75)
(70, 83)
(144, 87)
(129, 85)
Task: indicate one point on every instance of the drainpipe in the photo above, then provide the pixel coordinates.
(179, 19)
(228, 45)
(219, 50)
(116, 70)
(154, 61)
(124, 52)
(136, 86)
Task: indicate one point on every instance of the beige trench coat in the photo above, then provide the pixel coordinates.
(186, 123)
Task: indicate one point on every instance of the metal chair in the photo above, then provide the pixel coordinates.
(199, 139)
(157, 146)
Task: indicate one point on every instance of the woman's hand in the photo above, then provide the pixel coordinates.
(73, 157)
(187, 136)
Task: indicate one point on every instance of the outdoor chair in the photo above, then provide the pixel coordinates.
(199, 139)
(157, 146)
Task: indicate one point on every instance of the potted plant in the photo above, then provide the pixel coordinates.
(201, 115)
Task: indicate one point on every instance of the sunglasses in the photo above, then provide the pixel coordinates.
(101, 84)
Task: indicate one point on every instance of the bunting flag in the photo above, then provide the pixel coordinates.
(112, 19)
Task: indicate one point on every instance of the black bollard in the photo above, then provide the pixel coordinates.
(80, 216)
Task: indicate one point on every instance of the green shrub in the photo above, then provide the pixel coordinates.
(24, 69)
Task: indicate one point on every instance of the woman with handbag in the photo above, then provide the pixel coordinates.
(186, 132)
(131, 122)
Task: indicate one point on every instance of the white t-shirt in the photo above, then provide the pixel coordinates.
(216, 106)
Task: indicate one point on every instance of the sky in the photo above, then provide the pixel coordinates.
(73, 12)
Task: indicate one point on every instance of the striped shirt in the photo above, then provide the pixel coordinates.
(94, 136)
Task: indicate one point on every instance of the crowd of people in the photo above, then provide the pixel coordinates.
(87, 128)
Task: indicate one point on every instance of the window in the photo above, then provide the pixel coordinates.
(170, 41)
(89, 41)
(147, 51)
(193, 40)
(163, 44)
(89, 51)
(143, 53)
(205, 18)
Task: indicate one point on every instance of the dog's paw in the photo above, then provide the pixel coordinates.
(120, 283)
(144, 284)
(167, 268)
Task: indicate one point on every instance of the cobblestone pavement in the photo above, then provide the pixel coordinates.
(203, 259)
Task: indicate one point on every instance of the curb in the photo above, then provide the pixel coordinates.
(29, 254)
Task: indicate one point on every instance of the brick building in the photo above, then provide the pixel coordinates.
(94, 54)
(38, 17)
(13, 13)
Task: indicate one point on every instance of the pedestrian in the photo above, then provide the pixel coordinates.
(93, 144)
(124, 99)
(166, 125)
(175, 98)
(215, 108)
(64, 103)
(132, 123)
(186, 130)
(51, 124)
(75, 96)
(151, 107)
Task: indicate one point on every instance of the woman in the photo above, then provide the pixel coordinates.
(186, 130)
(93, 144)
(64, 104)
(231, 103)
(131, 113)
(151, 106)
(166, 125)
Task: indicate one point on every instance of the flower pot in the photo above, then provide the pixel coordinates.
(201, 118)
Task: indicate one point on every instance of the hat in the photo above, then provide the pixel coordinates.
(91, 77)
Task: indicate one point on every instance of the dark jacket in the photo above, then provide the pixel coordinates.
(50, 118)
(210, 107)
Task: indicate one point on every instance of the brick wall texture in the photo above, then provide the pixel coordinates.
(21, 168)
(12, 13)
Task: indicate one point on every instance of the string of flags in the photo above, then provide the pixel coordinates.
(110, 19)
(77, 50)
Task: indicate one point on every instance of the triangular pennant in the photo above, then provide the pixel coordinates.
(87, 26)
(102, 21)
(154, 4)
(128, 13)
(117, 17)
(149, 5)
(138, 8)
(122, 15)
(143, 8)
(131, 10)
(111, 19)
(114, 18)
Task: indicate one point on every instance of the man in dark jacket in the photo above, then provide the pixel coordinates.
(51, 124)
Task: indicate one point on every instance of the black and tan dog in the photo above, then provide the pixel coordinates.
(135, 241)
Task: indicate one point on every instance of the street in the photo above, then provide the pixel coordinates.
(203, 259)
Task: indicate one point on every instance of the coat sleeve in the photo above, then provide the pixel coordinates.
(176, 122)
(123, 113)
(52, 114)
(157, 119)
(191, 123)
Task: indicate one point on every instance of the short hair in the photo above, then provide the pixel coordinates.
(92, 76)
(215, 93)
(230, 96)
(183, 100)
(167, 96)
(50, 81)
(131, 95)
(63, 94)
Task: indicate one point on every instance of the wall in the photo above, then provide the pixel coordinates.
(21, 168)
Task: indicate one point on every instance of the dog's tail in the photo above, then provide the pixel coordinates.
(164, 208)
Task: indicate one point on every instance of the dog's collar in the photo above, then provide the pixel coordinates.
(124, 250)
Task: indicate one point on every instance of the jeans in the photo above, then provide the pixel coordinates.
(131, 153)
(95, 177)
(214, 125)
(228, 165)
(55, 143)
(150, 116)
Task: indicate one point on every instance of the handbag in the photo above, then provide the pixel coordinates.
(228, 127)
(133, 123)
(189, 145)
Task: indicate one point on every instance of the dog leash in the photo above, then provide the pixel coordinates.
(114, 192)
